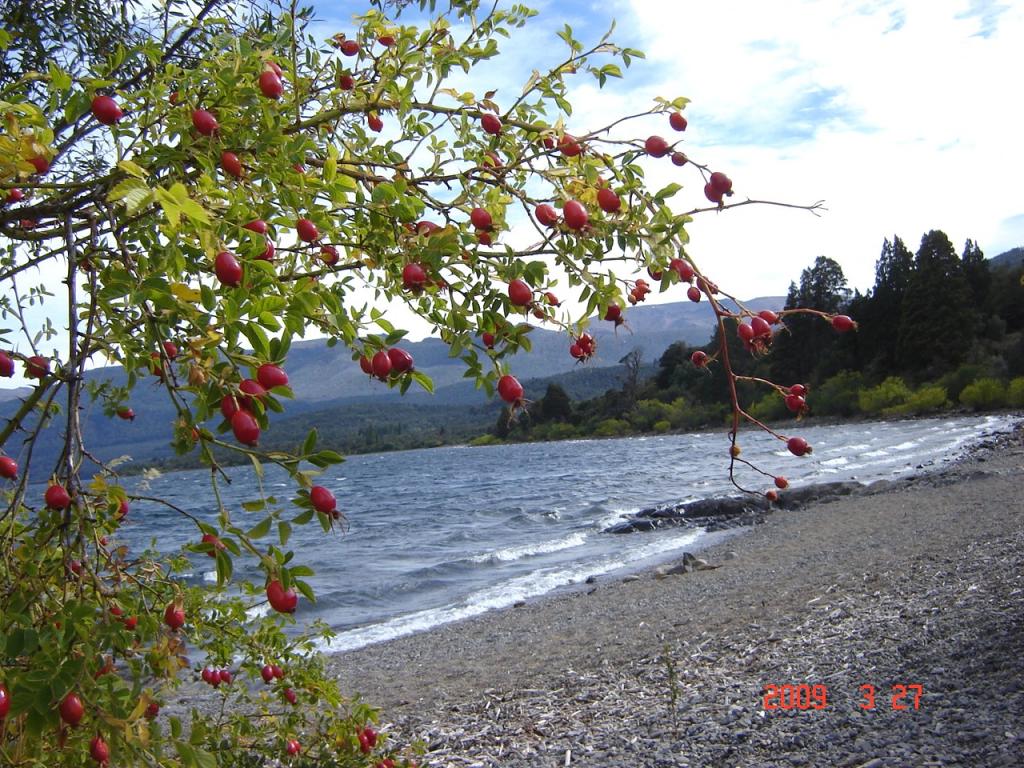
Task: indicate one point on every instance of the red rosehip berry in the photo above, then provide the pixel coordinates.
(245, 427)
(270, 84)
(174, 616)
(798, 446)
(281, 600)
(401, 360)
(519, 293)
(204, 122)
(323, 500)
(608, 200)
(795, 403)
(37, 367)
(677, 121)
(490, 123)
(71, 709)
(481, 218)
(57, 497)
(381, 363)
(569, 146)
(231, 164)
(656, 146)
(307, 230)
(509, 389)
(413, 276)
(575, 215)
(106, 110)
(8, 468)
(227, 269)
(546, 215)
(843, 323)
(270, 376)
(720, 183)
(99, 751)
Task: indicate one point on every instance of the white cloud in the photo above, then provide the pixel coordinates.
(893, 112)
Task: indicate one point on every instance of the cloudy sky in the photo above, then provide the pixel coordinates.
(895, 113)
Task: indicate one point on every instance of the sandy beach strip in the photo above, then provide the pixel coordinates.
(913, 583)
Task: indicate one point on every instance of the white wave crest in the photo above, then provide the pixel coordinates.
(508, 554)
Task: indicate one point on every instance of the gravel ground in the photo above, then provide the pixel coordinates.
(918, 582)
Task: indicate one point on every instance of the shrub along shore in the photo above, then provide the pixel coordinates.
(918, 582)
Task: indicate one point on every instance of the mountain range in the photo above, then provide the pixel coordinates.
(330, 388)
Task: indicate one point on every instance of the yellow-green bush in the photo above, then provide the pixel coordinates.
(984, 394)
(1015, 393)
(891, 392)
(927, 399)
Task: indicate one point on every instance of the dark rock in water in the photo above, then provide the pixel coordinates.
(725, 512)
(797, 497)
(632, 526)
(726, 506)
(590, 579)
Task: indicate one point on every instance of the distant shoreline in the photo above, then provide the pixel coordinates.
(235, 460)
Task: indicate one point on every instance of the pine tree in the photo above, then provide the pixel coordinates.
(555, 405)
(937, 317)
(882, 312)
(975, 268)
(805, 352)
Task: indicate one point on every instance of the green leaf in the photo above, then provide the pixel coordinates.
(423, 380)
(133, 193)
(284, 532)
(310, 443)
(258, 338)
(305, 589)
(225, 568)
(172, 210)
(667, 191)
(261, 529)
(132, 169)
(195, 211)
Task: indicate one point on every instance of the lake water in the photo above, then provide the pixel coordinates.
(442, 534)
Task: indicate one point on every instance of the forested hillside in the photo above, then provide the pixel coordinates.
(937, 331)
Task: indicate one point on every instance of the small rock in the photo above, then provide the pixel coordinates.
(629, 578)
(730, 555)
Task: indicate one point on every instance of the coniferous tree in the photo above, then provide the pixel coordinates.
(804, 352)
(975, 269)
(555, 405)
(882, 314)
(937, 318)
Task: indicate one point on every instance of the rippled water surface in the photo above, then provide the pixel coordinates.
(437, 535)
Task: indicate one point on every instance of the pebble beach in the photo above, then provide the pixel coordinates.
(898, 607)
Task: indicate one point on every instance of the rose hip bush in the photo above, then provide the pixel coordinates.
(196, 200)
